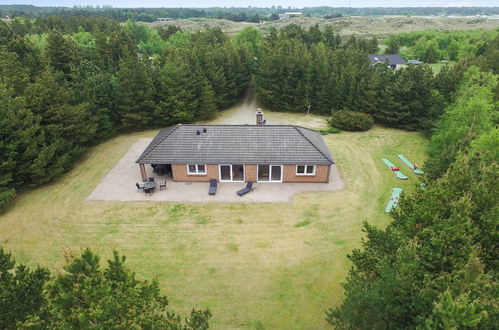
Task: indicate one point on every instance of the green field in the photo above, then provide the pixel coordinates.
(275, 266)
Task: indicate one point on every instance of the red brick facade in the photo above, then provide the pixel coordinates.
(321, 175)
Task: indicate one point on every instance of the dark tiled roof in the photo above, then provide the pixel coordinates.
(237, 144)
(393, 59)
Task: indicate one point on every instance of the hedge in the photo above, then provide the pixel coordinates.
(351, 120)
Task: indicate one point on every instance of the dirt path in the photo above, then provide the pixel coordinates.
(242, 114)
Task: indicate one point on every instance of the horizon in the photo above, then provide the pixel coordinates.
(291, 4)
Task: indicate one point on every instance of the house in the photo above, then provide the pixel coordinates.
(163, 19)
(394, 61)
(228, 153)
(290, 14)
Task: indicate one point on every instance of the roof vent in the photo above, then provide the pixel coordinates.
(198, 132)
(204, 130)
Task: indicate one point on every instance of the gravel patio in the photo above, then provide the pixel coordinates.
(119, 185)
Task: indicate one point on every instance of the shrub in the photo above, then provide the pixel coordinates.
(331, 130)
(351, 120)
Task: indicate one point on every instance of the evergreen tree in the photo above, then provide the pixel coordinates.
(435, 265)
(12, 74)
(176, 93)
(62, 52)
(410, 99)
(21, 291)
(207, 107)
(470, 115)
(393, 47)
(88, 296)
(136, 109)
(283, 77)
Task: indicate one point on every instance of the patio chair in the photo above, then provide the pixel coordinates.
(148, 191)
(151, 179)
(139, 187)
(247, 189)
(162, 185)
(213, 187)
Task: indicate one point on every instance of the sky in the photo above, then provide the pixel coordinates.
(257, 3)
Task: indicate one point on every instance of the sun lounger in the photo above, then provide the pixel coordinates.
(394, 169)
(394, 199)
(213, 187)
(247, 189)
(412, 166)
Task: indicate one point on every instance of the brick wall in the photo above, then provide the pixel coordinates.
(289, 175)
(321, 174)
(250, 172)
(179, 172)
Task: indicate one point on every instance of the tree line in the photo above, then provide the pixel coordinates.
(433, 46)
(85, 295)
(250, 14)
(312, 69)
(62, 92)
(435, 265)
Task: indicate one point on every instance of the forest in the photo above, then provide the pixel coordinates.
(248, 14)
(67, 83)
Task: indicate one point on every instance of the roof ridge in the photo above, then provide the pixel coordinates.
(148, 150)
(313, 144)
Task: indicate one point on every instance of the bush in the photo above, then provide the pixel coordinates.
(351, 120)
(331, 130)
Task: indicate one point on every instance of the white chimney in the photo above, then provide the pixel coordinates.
(259, 116)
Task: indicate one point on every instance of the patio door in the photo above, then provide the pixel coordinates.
(231, 172)
(269, 173)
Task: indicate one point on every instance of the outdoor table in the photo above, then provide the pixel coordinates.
(149, 185)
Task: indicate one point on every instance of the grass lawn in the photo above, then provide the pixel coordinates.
(275, 266)
(437, 67)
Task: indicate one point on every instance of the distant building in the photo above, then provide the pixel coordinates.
(415, 62)
(289, 14)
(163, 19)
(394, 61)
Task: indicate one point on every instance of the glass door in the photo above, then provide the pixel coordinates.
(237, 172)
(276, 173)
(269, 173)
(263, 173)
(225, 173)
(232, 172)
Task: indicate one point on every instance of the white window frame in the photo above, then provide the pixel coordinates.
(231, 173)
(305, 170)
(270, 174)
(197, 169)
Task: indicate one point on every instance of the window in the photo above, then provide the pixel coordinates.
(196, 169)
(305, 170)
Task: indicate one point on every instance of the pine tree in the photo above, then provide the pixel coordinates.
(470, 115)
(21, 291)
(207, 107)
(61, 52)
(119, 299)
(176, 93)
(136, 109)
